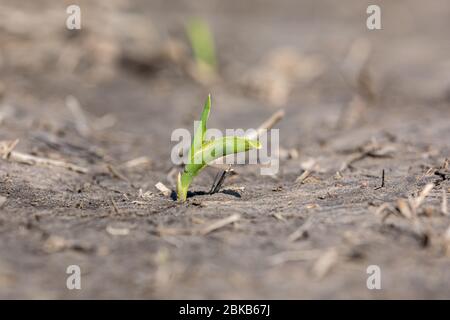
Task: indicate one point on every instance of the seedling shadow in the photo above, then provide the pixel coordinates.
(192, 194)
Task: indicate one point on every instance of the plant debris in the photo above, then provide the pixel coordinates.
(163, 189)
(219, 224)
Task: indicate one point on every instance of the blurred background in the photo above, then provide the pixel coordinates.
(135, 55)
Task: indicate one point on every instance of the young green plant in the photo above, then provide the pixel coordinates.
(202, 43)
(203, 152)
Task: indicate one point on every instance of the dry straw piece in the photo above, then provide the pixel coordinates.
(7, 152)
(163, 189)
(220, 224)
(444, 208)
(325, 263)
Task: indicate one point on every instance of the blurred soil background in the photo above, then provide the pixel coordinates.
(86, 118)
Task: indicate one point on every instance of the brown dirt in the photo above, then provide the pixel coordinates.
(54, 217)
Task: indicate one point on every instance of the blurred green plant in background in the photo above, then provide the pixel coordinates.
(201, 40)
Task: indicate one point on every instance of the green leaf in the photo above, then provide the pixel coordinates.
(203, 152)
(199, 135)
(219, 148)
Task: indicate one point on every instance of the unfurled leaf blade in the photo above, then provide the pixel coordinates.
(224, 146)
(199, 135)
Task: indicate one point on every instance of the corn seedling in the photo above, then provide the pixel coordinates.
(202, 43)
(203, 152)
